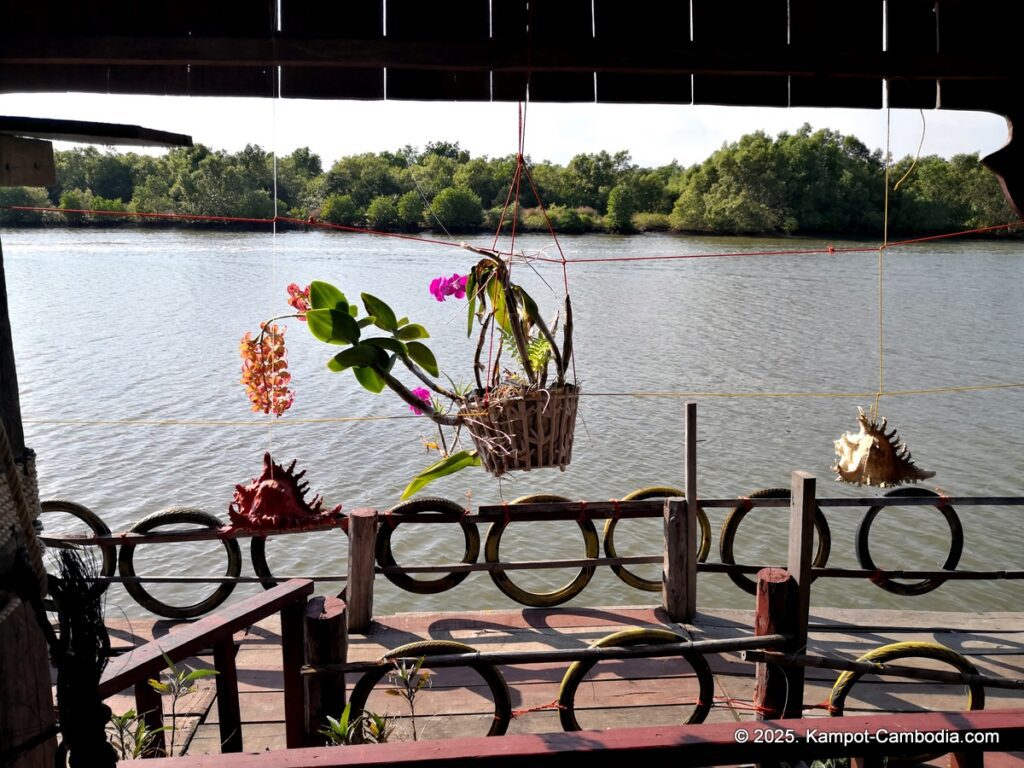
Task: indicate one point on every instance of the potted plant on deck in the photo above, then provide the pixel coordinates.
(516, 419)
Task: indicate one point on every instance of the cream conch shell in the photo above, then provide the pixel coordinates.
(872, 457)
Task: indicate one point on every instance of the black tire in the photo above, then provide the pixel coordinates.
(656, 492)
(427, 648)
(732, 524)
(177, 515)
(541, 599)
(626, 639)
(956, 545)
(108, 552)
(258, 557)
(449, 510)
(908, 650)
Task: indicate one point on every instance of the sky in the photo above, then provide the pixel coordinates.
(653, 134)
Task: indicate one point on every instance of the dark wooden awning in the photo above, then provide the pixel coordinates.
(954, 54)
(88, 132)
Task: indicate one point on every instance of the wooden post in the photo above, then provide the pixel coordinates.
(679, 571)
(801, 547)
(26, 162)
(26, 703)
(783, 607)
(691, 510)
(362, 542)
(228, 710)
(673, 577)
(772, 615)
(326, 643)
(293, 656)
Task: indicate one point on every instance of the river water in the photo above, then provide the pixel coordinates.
(127, 351)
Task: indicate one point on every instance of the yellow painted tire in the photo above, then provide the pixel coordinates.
(447, 509)
(732, 524)
(126, 565)
(426, 648)
(910, 650)
(108, 552)
(655, 492)
(627, 639)
(541, 599)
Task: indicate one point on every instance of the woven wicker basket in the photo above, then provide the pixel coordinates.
(524, 431)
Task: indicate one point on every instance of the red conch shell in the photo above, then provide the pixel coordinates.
(276, 499)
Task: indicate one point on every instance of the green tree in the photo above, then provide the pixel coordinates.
(33, 197)
(590, 178)
(410, 211)
(110, 176)
(365, 177)
(295, 175)
(341, 209)
(382, 213)
(458, 209)
(622, 204)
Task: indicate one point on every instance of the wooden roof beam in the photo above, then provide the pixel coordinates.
(498, 56)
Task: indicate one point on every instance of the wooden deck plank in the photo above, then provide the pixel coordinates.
(619, 693)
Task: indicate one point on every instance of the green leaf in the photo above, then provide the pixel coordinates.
(451, 465)
(353, 310)
(403, 321)
(412, 331)
(529, 305)
(471, 296)
(423, 357)
(391, 345)
(326, 296)
(197, 674)
(332, 326)
(498, 307)
(385, 315)
(370, 379)
(358, 356)
(366, 321)
(156, 685)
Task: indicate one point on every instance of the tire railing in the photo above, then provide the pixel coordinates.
(661, 642)
(633, 643)
(117, 550)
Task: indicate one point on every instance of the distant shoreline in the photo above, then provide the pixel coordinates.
(287, 226)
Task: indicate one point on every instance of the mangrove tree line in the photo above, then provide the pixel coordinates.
(807, 182)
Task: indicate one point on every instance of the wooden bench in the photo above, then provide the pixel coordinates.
(216, 632)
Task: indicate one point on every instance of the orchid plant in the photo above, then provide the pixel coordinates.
(376, 339)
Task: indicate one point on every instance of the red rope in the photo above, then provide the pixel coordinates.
(582, 517)
(562, 260)
(542, 708)
(616, 512)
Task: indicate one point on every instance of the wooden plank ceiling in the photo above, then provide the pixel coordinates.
(956, 54)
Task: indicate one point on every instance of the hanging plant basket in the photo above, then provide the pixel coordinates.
(522, 430)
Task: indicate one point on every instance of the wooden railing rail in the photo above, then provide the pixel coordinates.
(680, 746)
(136, 667)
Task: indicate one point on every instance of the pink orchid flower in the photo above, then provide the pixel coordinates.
(442, 287)
(299, 299)
(423, 394)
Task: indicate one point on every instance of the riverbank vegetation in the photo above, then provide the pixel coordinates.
(807, 182)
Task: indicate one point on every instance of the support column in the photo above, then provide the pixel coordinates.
(26, 704)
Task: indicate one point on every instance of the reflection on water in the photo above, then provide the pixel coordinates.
(144, 326)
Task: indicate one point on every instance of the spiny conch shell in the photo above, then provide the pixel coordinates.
(872, 457)
(276, 499)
